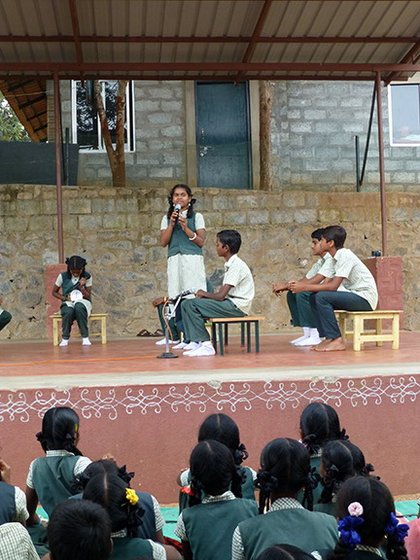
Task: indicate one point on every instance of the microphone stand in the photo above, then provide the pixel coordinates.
(169, 314)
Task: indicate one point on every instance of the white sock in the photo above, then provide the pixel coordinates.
(306, 334)
(314, 333)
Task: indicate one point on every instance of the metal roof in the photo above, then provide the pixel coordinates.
(210, 39)
(199, 40)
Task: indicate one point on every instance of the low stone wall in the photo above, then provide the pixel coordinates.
(117, 231)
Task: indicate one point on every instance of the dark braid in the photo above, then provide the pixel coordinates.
(378, 509)
(60, 428)
(338, 461)
(77, 263)
(213, 471)
(285, 469)
(110, 491)
(224, 429)
(319, 423)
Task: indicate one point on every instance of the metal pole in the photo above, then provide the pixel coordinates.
(369, 132)
(356, 146)
(58, 166)
(381, 164)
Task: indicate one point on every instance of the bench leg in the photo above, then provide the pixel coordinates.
(379, 331)
(226, 334)
(214, 336)
(257, 335)
(222, 349)
(342, 324)
(248, 337)
(242, 334)
(358, 323)
(396, 332)
(103, 330)
(55, 331)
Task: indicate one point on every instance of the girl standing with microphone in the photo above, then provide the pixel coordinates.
(183, 231)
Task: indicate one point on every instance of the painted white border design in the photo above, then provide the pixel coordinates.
(111, 403)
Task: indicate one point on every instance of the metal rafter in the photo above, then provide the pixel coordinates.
(76, 31)
(411, 57)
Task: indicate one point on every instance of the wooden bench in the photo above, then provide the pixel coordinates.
(361, 335)
(245, 323)
(94, 317)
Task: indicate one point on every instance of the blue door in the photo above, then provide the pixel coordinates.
(223, 135)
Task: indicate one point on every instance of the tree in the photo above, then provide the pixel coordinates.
(116, 155)
(11, 128)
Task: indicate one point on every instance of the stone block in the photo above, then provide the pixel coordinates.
(305, 216)
(314, 114)
(164, 172)
(172, 131)
(80, 206)
(258, 217)
(159, 118)
(89, 222)
(28, 207)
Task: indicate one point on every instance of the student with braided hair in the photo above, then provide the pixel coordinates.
(152, 520)
(215, 492)
(224, 429)
(285, 469)
(125, 511)
(51, 478)
(74, 289)
(367, 523)
(340, 460)
(319, 423)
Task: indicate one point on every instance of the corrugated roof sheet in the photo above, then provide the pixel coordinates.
(199, 40)
(208, 39)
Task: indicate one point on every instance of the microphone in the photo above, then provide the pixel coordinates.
(177, 209)
(183, 294)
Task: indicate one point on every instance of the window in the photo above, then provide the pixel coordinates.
(86, 125)
(404, 114)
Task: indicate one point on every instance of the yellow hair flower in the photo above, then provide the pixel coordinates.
(131, 496)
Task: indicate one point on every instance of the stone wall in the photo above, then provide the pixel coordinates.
(313, 130)
(117, 231)
(314, 126)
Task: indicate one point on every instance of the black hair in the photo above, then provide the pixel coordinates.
(110, 491)
(285, 469)
(224, 429)
(172, 205)
(100, 467)
(76, 263)
(213, 471)
(79, 530)
(378, 504)
(335, 233)
(231, 238)
(284, 552)
(340, 460)
(319, 423)
(60, 429)
(317, 234)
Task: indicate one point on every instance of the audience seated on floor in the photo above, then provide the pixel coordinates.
(94, 513)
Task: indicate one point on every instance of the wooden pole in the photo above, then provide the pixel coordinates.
(266, 107)
(58, 166)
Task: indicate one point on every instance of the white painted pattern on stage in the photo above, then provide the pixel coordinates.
(97, 402)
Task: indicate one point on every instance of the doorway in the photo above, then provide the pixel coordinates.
(222, 129)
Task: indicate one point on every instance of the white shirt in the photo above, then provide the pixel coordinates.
(357, 277)
(15, 543)
(324, 266)
(238, 275)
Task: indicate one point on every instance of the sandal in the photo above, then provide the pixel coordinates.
(158, 332)
(144, 332)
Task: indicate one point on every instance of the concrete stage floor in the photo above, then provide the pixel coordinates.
(146, 411)
(127, 361)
